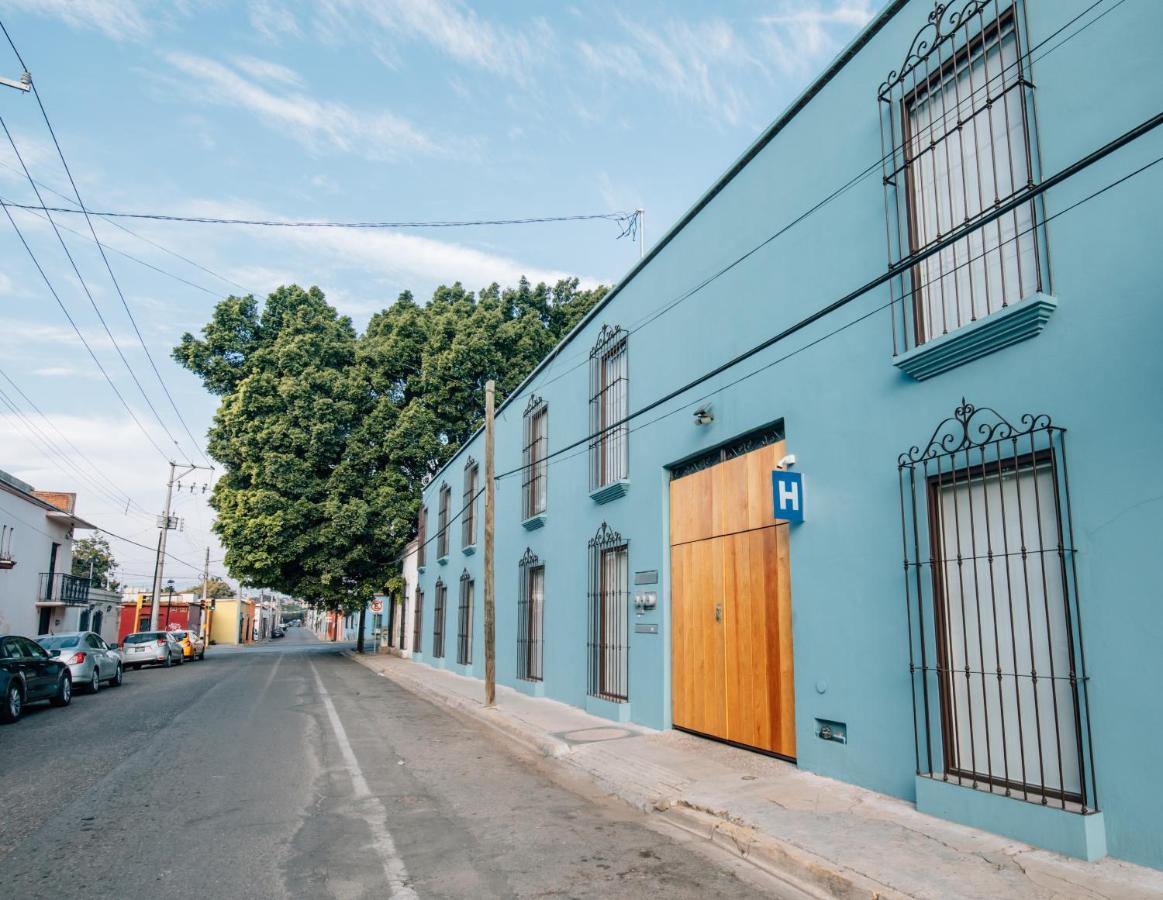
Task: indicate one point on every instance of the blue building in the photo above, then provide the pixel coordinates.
(925, 293)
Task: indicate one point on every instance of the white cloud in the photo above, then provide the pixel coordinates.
(319, 125)
(711, 65)
(122, 20)
(272, 21)
(448, 25)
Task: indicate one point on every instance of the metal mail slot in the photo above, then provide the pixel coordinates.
(646, 629)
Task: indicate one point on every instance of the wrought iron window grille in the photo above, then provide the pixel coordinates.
(422, 538)
(417, 621)
(609, 603)
(958, 136)
(534, 461)
(530, 617)
(445, 515)
(740, 446)
(996, 657)
(468, 531)
(464, 621)
(609, 406)
(438, 619)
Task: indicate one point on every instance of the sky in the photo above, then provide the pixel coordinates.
(348, 110)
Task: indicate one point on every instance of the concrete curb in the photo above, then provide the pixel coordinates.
(800, 869)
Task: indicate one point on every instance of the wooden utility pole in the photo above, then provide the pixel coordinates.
(490, 614)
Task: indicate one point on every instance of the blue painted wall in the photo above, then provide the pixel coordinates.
(1097, 369)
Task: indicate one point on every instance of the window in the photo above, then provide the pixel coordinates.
(609, 406)
(417, 622)
(535, 466)
(422, 538)
(442, 536)
(464, 621)
(472, 479)
(530, 617)
(609, 616)
(438, 621)
(999, 685)
(956, 128)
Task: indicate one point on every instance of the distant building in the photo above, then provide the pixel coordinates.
(232, 621)
(177, 610)
(38, 593)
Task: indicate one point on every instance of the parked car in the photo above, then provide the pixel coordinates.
(89, 658)
(193, 647)
(152, 648)
(277, 632)
(28, 674)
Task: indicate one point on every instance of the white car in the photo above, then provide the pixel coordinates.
(151, 648)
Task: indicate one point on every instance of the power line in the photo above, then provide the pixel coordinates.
(84, 288)
(146, 547)
(105, 260)
(72, 322)
(626, 220)
(109, 489)
(1020, 198)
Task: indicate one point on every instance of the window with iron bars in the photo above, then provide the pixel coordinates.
(534, 464)
(1000, 690)
(417, 621)
(958, 139)
(422, 538)
(464, 621)
(530, 617)
(609, 639)
(609, 406)
(468, 531)
(445, 515)
(438, 620)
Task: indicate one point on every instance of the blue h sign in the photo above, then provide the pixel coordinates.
(787, 490)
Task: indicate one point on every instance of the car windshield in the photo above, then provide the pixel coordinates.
(144, 637)
(59, 641)
(179, 635)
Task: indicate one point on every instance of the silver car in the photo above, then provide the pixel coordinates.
(90, 660)
(151, 648)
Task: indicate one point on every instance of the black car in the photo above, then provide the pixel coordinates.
(27, 674)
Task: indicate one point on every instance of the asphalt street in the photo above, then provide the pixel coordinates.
(287, 770)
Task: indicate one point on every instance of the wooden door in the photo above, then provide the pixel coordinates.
(731, 660)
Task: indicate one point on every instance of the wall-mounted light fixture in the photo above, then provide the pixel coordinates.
(704, 415)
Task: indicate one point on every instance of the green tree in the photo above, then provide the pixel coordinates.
(216, 589)
(93, 558)
(326, 436)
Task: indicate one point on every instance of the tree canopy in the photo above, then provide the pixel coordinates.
(93, 558)
(327, 436)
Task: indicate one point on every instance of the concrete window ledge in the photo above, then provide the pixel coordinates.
(530, 688)
(442, 561)
(469, 550)
(607, 709)
(611, 491)
(1018, 322)
(1060, 830)
(534, 522)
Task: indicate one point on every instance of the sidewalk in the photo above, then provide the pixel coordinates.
(825, 837)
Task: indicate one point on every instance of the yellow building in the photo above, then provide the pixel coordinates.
(232, 621)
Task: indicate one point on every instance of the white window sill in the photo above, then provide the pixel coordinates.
(534, 522)
(611, 491)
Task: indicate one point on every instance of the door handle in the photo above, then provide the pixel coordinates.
(718, 612)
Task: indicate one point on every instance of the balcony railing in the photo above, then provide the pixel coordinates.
(57, 587)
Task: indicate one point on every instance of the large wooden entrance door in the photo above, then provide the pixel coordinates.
(731, 655)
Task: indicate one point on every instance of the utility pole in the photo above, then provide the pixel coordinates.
(490, 613)
(166, 523)
(205, 605)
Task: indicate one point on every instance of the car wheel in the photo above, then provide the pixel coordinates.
(64, 694)
(13, 704)
(169, 660)
(118, 677)
(95, 681)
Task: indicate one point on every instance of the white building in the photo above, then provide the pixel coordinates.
(401, 619)
(38, 595)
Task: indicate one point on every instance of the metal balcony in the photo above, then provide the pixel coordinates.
(68, 590)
